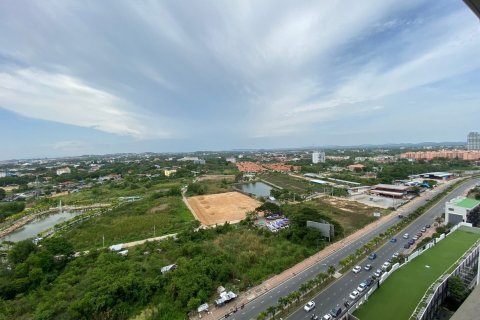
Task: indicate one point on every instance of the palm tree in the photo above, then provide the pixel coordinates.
(283, 301)
(262, 315)
(272, 310)
(303, 288)
(321, 277)
(331, 270)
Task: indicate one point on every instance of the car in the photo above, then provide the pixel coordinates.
(368, 267)
(419, 235)
(405, 236)
(354, 294)
(407, 246)
(385, 265)
(423, 229)
(414, 238)
(378, 273)
(427, 226)
(335, 312)
(395, 255)
(368, 281)
(314, 317)
(327, 317)
(362, 286)
(309, 306)
(372, 256)
(393, 240)
(357, 269)
(400, 216)
(411, 241)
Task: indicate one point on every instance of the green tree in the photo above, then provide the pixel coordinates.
(2, 194)
(20, 251)
(331, 270)
(457, 292)
(272, 310)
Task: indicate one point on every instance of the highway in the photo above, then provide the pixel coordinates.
(341, 288)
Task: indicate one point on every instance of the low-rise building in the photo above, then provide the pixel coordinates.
(65, 170)
(357, 166)
(462, 209)
(169, 172)
(390, 190)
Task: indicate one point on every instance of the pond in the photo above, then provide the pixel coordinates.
(33, 228)
(259, 189)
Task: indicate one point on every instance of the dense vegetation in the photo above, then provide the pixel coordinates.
(10, 208)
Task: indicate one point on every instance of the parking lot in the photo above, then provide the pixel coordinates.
(377, 201)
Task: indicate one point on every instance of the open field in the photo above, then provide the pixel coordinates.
(220, 208)
(398, 296)
(132, 221)
(350, 214)
(287, 182)
(227, 177)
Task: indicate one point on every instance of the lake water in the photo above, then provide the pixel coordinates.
(32, 229)
(259, 189)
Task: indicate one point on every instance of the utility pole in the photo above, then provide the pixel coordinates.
(154, 231)
(103, 241)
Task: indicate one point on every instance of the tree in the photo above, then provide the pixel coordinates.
(20, 251)
(331, 270)
(303, 288)
(272, 310)
(457, 292)
(2, 194)
(262, 315)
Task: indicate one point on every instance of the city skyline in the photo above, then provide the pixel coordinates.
(171, 77)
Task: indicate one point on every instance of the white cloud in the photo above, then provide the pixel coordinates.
(65, 99)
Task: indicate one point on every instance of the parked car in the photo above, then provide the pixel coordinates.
(378, 273)
(314, 317)
(395, 255)
(357, 269)
(354, 294)
(362, 286)
(414, 238)
(407, 246)
(335, 312)
(347, 303)
(368, 281)
(393, 240)
(327, 317)
(419, 234)
(411, 241)
(427, 226)
(385, 265)
(423, 229)
(309, 306)
(405, 236)
(400, 216)
(372, 256)
(368, 267)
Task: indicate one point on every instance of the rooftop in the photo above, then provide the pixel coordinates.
(467, 203)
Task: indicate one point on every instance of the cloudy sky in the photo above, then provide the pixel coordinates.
(82, 77)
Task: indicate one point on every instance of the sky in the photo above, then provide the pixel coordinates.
(96, 77)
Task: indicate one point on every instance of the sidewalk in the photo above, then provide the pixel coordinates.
(271, 283)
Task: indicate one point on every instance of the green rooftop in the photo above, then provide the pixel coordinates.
(468, 203)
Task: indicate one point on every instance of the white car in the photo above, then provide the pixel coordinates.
(327, 317)
(395, 255)
(385, 265)
(354, 295)
(362, 286)
(415, 238)
(309, 306)
(357, 269)
(405, 236)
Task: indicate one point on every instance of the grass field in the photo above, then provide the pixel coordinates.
(350, 214)
(398, 296)
(132, 221)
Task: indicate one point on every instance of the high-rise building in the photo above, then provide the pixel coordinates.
(473, 141)
(318, 156)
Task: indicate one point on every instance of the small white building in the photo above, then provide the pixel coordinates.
(457, 209)
(65, 170)
(318, 157)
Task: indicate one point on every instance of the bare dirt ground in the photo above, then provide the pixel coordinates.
(228, 177)
(222, 207)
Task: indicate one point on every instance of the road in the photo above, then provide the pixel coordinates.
(341, 288)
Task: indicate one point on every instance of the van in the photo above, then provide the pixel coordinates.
(335, 312)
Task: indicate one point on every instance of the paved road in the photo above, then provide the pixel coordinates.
(340, 289)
